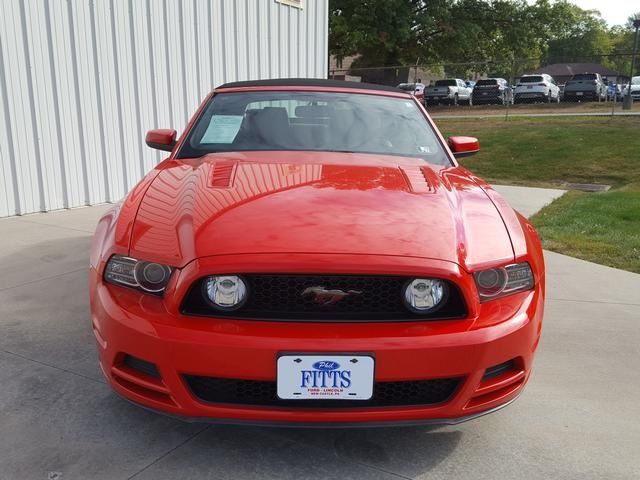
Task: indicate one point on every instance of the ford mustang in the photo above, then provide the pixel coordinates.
(311, 253)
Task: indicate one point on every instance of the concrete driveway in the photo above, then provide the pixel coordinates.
(578, 418)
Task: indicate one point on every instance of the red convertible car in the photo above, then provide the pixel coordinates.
(311, 252)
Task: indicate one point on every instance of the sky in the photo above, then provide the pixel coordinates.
(615, 12)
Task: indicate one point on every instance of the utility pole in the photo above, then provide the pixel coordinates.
(627, 100)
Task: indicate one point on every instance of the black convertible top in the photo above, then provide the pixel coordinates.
(309, 82)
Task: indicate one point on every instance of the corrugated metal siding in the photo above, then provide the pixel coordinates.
(82, 80)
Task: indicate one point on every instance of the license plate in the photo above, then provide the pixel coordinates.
(579, 94)
(485, 93)
(323, 377)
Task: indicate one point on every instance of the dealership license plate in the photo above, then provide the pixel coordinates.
(324, 377)
(579, 94)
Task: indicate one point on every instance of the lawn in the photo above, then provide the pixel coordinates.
(549, 151)
(599, 227)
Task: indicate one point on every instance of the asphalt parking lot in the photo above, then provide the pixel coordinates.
(578, 418)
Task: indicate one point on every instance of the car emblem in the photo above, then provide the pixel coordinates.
(327, 297)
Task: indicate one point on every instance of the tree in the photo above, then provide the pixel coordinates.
(581, 35)
(385, 32)
(497, 37)
(623, 39)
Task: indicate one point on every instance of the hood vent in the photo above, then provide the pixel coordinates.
(418, 179)
(222, 174)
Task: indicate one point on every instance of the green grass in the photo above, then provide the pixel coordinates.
(599, 227)
(549, 151)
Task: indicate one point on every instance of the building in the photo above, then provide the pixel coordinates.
(562, 72)
(82, 81)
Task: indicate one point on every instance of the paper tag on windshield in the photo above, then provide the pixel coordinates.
(222, 129)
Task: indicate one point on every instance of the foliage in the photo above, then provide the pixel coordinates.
(492, 33)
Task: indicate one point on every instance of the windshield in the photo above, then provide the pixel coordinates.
(532, 79)
(585, 76)
(409, 87)
(321, 121)
(488, 81)
(635, 81)
(446, 83)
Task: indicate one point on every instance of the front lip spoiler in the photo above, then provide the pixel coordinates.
(434, 422)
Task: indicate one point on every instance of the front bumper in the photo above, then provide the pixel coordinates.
(126, 322)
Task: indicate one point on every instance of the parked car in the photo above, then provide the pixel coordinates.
(585, 86)
(491, 90)
(614, 92)
(311, 252)
(416, 89)
(624, 87)
(536, 88)
(452, 91)
(635, 88)
(561, 87)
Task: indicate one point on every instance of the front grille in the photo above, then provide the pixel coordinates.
(280, 297)
(385, 394)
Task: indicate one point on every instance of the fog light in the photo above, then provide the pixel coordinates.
(225, 292)
(424, 295)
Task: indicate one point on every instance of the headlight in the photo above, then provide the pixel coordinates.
(148, 276)
(225, 292)
(498, 282)
(424, 295)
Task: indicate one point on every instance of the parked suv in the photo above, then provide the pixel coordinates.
(585, 86)
(532, 88)
(635, 88)
(449, 90)
(492, 90)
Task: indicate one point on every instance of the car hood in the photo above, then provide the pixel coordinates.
(316, 202)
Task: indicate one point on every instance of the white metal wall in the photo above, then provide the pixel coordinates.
(82, 80)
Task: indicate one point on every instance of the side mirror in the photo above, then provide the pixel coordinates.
(464, 146)
(161, 139)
